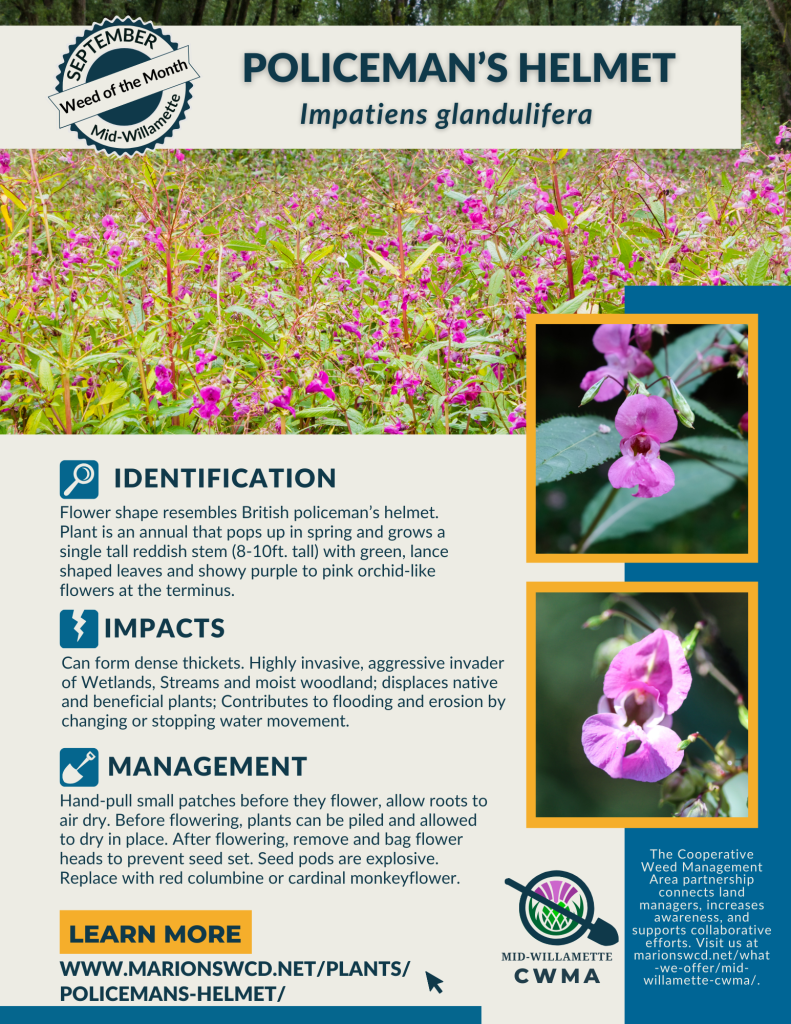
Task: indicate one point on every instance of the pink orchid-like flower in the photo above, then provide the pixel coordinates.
(612, 340)
(208, 409)
(321, 385)
(164, 379)
(743, 424)
(204, 359)
(283, 402)
(630, 737)
(644, 423)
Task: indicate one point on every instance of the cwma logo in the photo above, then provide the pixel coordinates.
(542, 976)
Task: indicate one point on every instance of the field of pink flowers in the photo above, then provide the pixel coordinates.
(342, 292)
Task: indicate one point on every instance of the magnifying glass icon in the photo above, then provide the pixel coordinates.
(78, 479)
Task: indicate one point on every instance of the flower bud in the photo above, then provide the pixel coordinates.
(597, 620)
(690, 739)
(682, 785)
(741, 710)
(605, 652)
(635, 386)
(726, 754)
(591, 393)
(689, 641)
(681, 405)
(642, 336)
(696, 808)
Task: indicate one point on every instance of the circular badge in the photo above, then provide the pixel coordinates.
(548, 923)
(124, 86)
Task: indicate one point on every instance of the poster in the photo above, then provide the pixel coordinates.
(386, 573)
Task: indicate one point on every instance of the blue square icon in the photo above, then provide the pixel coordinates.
(79, 766)
(79, 628)
(79, 479)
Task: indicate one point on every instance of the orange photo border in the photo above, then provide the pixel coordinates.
(751, 319)
(751, 821)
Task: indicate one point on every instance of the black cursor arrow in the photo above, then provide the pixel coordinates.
(434, 983)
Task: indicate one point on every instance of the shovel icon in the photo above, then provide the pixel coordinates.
(599, 931)
(71, 775)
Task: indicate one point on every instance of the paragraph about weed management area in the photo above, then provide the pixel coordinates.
(386, 576)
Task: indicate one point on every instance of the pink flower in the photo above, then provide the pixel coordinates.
(209, 409)
(283, 402)
(164, 379)
(111, 230)
(204, 359)
(241, 409)
(642, 336)
(114, 254)
(321, 385)
(644, 685)
(5, 161)
(516, 421)
(612, 340)
(743, 424)
(644, 422)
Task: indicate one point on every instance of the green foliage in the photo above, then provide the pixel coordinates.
(707, 414)
(725, 448)
(696, 485)
(681, 359)
(572, 444)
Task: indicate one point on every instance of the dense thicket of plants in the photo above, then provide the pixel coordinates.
(352, 291)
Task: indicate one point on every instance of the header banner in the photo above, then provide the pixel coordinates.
(125, 86)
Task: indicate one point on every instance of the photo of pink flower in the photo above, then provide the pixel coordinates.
(648, 454)
(641, 703)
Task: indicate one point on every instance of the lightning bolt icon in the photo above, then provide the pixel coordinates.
(79, 622)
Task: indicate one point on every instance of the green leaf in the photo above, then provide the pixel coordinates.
(132, 266)
(572, 444)
(572, 305)
(496, 283)
(422, 258)
(435, 377)
(706, 414)
(384, 263)
(696, 485)
(681, 360)
(727, 448)
(45, 375)
(136, 314)
(459, 197)
(318, 410)
(757, 266)
(285, 252)
(244, 311)
(320, 254)
(112, 392)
